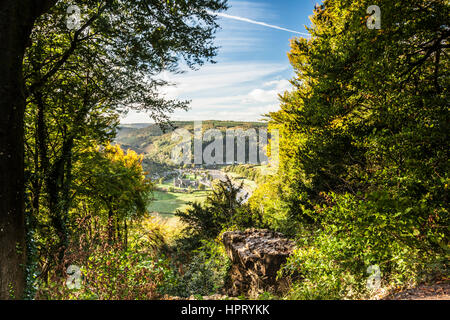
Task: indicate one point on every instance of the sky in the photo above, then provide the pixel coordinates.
(252, 64)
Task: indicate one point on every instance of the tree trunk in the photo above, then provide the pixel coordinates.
(119, 233)
(111, 229)
(58, 203)
(13, 37)
(16, 21)
(125, 235)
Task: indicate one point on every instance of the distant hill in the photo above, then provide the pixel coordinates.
(135, 125)
(156, 144)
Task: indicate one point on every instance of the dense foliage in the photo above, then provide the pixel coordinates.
(78, 81)
(364, 146)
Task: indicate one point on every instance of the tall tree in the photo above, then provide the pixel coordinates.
(17, 18)
(368, 121)
(154, 31)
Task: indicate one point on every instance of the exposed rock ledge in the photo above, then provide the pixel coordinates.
(256, 257)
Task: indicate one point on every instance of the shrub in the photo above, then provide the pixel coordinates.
(110, 271)
(355, 234)
(205, 273)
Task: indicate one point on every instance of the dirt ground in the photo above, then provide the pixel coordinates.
(437, 291)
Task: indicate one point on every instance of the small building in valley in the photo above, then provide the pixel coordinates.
(184, 183)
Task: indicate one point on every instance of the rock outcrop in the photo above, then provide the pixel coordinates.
(256, 256)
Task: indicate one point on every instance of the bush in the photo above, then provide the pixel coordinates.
(110, 271)
(355, 234)
(205, 273)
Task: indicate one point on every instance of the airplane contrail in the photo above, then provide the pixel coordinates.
(224, 15)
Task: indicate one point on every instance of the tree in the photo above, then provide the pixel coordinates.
(66, 115)
(117, 180)
(363, 153)
(351, 99)
(223, 208)
(17, 19)
(157, 33)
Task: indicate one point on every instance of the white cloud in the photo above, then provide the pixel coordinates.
(259, 95)
(280, 85)
(249, 106)
(232, 91)
(238, 113)
(239, 87)
(233, 77)
(276, 87)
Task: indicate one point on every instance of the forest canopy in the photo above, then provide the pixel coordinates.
(364, 145)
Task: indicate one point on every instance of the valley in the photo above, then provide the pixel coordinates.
(155, 143)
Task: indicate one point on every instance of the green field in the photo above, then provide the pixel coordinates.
(167, 203)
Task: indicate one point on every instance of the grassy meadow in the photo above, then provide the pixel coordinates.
(167, 203)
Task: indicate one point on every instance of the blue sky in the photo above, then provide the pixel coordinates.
(252, 63)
